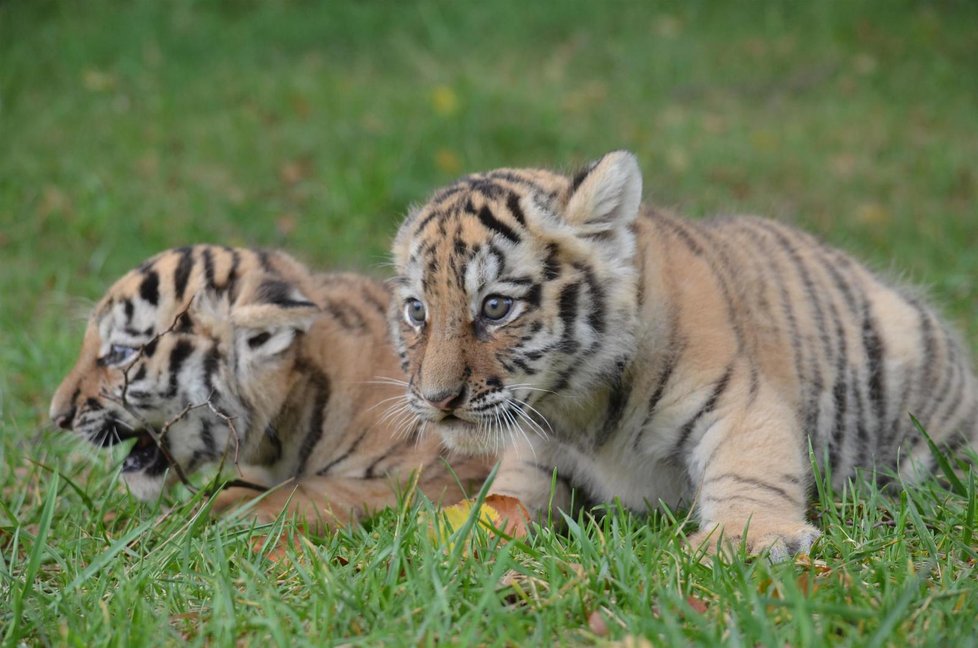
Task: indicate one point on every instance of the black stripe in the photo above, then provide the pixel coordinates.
(368, 297)
(513, 203)
(347, 316)
(182, 274)
(178, 355)
(676, 348)
(212, 363)
(320, 383)
(551, 265)
(516, 179)
(862, 432)
(231, 283)
(150, 347)
(684, 432)
(581, 176)
(679, 229)
(265, 261)
(567, 312)
(280, 293)
(749, 481)
(343, 457)
(424, 221)
(128, 309)
(597, 310)
(149, 288)
(273, 441)
(210, 447)
(953, 398)
(492, 224)
(873, 344)
(840, 397)
(620, 391)
(485, 186)
(208, 266)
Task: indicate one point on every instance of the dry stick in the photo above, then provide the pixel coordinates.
(142, 348)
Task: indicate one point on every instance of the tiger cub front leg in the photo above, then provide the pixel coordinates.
(526, 475)
(752, 474)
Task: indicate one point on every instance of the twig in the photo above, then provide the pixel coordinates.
(142, 348)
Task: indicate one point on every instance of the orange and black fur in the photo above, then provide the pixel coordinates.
(212, 355)
(646, 357)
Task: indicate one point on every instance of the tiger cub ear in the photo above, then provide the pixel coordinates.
(605, 194)
(268, 322)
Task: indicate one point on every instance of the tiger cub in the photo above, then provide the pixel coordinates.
(645, 357)
(208, 354)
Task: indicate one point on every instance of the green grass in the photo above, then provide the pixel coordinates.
(127, 127)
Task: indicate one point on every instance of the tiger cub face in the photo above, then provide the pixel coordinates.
(188, 342)
(514, 284)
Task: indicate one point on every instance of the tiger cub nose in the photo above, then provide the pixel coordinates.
(65, 419)
(447, 400)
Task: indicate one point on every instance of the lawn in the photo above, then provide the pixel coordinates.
(129, 127)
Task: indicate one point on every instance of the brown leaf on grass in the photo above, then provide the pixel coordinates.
(512, 517)
(597, 624)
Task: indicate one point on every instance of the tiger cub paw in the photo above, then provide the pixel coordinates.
(781, 540)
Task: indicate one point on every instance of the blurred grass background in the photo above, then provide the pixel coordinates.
(128, 127)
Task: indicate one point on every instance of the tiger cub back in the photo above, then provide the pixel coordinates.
(211, 355)
(649, 358)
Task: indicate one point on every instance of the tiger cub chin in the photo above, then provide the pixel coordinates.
(646, 357)
(208, 354)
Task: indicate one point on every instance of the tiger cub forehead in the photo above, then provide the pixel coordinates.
(147, 299)
(443, 245)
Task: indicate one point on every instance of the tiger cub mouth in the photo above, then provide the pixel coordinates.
(145, 453)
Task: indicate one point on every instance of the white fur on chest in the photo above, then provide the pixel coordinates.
(616, 470)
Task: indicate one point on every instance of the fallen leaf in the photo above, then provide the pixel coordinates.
(499, 512)
(511, 516)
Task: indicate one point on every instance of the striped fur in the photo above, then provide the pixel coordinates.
(299, 364)
(646, 357)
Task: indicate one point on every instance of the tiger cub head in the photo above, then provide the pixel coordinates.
(192, 343)
(516, 287)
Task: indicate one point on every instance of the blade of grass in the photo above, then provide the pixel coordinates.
(33, 563)
(956, 486)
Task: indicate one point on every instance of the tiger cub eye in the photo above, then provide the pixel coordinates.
(496, 307)
(414, 312)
